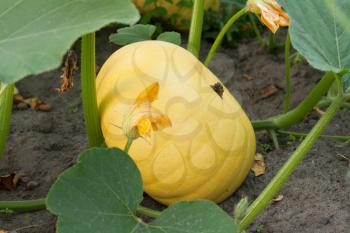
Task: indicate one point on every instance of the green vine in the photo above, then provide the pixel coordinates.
(300, 112)
(222, 33)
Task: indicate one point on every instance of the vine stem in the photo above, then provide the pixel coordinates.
(195, 34)
(288, 87)
(222, 33)
(340, 138)
(325, 103)
(6, 100)
(88, 82)
(23, 206)
(40, 204)
(148, 212)
(298, 113)
(282, 176)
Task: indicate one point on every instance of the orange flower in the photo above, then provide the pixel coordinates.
(271, 13)
(143, 118)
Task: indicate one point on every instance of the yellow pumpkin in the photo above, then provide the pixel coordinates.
(210, 147)
(173, 8)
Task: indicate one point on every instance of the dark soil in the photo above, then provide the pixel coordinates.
(316, 197)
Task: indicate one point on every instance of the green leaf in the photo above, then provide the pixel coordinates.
(35, 35)
(101, 194)
(317, 34)
(135, 33)
(185, 3)
(146, 17)
(172, 37)
(148, 2)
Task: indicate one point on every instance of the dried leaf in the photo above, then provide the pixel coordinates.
(268, 90)
(259, 165)
(4, 231)
(278, 198)
(17, 98)
(248, 77)
(35, 104)
(10, 181)
(32, 102)
(44, 107)
(66, 79)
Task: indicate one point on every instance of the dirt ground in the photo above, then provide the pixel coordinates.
(316, 197)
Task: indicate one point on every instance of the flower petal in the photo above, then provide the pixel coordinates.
(270, 21)
(144, 127)
(149, 94)
(272, 14)
(160, 121)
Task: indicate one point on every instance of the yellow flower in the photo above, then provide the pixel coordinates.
(143, 118)
(271, 13)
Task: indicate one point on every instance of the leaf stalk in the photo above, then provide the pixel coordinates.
(6, 101)
(88, 83)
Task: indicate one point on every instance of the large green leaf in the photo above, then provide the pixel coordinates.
(35, 34)
(317, 33)
(142, 32)
(101, 194)
(171, 37)
(135, 33)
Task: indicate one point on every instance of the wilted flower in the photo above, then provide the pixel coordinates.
(271, 13)
(143, 118)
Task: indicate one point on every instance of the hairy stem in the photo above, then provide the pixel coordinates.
(339, 138)
(222, 33)
(194, 39)
(23, 206)
(283, 174)
(88, 79)
(325, 103)
(148, 212)
(288, 87)
(6, 99)
(40, 204)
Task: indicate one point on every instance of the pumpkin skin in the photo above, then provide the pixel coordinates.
(210, 148)
(184, 13)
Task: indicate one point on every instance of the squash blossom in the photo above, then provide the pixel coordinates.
(271, 13)
(143, 118)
